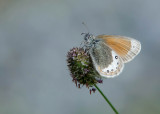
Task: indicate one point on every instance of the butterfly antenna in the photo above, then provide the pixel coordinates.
(83, 42)
(85, 27)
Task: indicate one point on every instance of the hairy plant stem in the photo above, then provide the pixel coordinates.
(116, 112)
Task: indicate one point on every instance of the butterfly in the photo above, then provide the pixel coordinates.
(109, 53)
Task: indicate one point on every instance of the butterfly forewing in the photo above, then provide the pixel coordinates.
(106, 61)
(127, 48)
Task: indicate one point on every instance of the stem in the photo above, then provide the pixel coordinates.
(106, 99)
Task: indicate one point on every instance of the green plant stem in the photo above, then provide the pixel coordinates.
(106, 99)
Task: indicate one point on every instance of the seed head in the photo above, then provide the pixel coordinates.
(82, 69)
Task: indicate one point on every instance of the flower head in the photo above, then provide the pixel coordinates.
(82, 69)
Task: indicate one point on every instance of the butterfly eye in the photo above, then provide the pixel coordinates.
(85, 38)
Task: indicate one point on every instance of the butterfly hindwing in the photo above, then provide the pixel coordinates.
(105, 60)
(127, 48)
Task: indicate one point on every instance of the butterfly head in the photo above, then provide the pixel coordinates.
(89, 40)
(87, 36)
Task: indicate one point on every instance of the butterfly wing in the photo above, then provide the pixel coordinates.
(105, 60)
(127, 48)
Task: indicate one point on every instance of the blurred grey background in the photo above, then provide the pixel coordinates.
(35, 36)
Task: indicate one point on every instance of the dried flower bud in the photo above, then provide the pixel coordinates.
(82, 69)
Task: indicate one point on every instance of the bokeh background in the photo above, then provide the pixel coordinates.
(35, 36)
